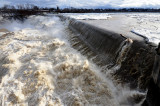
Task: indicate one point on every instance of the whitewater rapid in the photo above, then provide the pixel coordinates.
(40, 68)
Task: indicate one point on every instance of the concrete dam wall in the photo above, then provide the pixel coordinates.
(133, 56)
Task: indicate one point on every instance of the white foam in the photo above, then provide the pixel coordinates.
(153, 36)
(15, 25)
(2, 33)
(148, 25)
(88, 16)
(43, 69)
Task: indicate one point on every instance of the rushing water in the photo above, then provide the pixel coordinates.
(39, 67)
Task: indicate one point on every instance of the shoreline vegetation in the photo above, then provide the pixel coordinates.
(21, 12)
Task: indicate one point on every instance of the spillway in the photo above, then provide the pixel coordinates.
(55, 60)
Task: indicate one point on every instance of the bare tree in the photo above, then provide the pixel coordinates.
(5, 7)
(20, 6)
(29, 6)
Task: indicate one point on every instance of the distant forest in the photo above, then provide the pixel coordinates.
(25, 10)
(32, 7)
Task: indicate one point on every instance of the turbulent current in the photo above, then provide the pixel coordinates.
(39, 67)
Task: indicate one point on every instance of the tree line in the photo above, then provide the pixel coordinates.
(25, 10)
(22, 11)
(82, 10)
(32, 7)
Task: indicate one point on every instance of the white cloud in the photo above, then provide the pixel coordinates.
(2, 2)
(83, 3)
(87, 3)
(140, 3)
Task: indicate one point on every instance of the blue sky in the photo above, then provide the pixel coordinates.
(87, 3)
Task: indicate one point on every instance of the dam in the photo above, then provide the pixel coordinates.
(58, 60)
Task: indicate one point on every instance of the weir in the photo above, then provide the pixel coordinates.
(133, 56)
(108, 68)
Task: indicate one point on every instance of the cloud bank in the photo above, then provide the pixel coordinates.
(88, 3)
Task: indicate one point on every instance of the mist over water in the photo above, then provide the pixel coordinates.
(40, 68)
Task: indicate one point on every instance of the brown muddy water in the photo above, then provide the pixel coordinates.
(39, 67)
